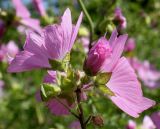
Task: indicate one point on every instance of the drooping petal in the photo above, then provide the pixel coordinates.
(117, 52)
(57, 108)
(50, 77)
(128, 94)
(21, 10)
(25, 61)
(75, 30)
(156, 119)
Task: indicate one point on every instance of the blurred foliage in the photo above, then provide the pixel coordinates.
(19, 108)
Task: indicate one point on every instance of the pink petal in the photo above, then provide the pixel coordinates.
(32, 23)
(66, 25)
(21, 10)
(53, 41)
(50, 77)
(25, 61)
(57, 108)
(156, 119)
(39, 6)
(113, 38)
(35, 44)
(128, 94)
(117, 51)
(75, 30)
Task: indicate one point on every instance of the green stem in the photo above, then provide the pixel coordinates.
(81, 114)
(89, 20)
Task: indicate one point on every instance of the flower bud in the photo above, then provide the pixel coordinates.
(98, 120)
(97, 56)
(130, 45)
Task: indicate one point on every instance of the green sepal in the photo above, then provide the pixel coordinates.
(61, 65)
(102, 78)
(105, 90)
(49, 90)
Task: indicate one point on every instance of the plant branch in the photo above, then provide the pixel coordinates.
(80, 109)
(89, 20)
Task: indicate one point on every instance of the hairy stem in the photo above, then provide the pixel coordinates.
(80, 109)
(89, 20)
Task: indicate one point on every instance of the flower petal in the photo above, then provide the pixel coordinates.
(21, 10)
(25, 61)
(50, 77)
(113, 38)
(156, 119)
(128, 94)
(57, 108)
(53, 41)
(32, 23)
(66, 25)
(75, 30)
(117, 51)
(35, 44)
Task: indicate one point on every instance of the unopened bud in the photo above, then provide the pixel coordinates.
(98, 120)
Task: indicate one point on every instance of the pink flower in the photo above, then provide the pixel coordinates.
(146, 72)
(130, 45)
(8, 51)
(156, 119)
(131, 125)
(24, 14)
(120, 18)
(60, 38)
(127, 90)
(104, 55)
(56, 107)
(39, 6)
(148, 123)
(54, 42)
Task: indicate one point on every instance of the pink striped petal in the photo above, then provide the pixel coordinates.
(66, 25)
(117, 52)
(128, 94)
(35, 44)
(25, 61)
(113, 38)
(75, 30)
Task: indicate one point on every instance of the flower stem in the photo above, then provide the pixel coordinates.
(80, 109)
(89, 20)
